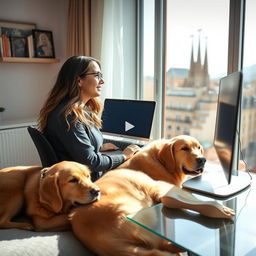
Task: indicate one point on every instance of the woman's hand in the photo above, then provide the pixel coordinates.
(108, 147)
(130, 151)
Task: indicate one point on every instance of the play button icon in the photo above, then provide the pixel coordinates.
(128, 126)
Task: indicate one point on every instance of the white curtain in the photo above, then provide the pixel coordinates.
(112, 50)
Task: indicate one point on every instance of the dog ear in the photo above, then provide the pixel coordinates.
(166, 156)
(49, 193)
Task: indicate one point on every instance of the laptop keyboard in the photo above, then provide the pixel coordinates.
(121, 144)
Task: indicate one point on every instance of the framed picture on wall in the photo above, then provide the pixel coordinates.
(19, 46)
(43, 43)
(13, 29)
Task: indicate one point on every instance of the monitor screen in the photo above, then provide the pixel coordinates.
(227, 120)
(128, 117)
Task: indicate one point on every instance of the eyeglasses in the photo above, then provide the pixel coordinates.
(98, 74)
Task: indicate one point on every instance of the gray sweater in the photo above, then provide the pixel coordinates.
(80, 143)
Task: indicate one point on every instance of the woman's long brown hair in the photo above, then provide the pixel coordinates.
(66, 87)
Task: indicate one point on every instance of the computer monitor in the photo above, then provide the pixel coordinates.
(214, 182)
(227, 124)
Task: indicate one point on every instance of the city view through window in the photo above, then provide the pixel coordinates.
(196, 59)
(197, 51)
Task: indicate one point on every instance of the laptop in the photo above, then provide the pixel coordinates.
(126, 122)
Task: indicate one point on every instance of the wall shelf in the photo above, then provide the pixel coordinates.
(28, 60)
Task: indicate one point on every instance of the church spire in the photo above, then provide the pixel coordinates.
(192, 51)
(199, 47)
(198, 75)
(190, 82)
(206, 58)
(205, 67)
(192, 62)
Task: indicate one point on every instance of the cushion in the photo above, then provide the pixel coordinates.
(17, 242)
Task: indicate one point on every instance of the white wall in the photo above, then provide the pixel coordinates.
(23, 87)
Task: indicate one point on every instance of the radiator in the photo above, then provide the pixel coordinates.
(17, 148)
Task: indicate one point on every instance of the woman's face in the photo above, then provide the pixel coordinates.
(91, 84)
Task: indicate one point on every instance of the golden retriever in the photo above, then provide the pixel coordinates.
(103, 227)
(169, 160)
(47, 194)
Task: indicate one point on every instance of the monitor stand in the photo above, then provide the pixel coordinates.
(214, 183)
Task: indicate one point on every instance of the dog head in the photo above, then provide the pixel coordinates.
(184, 154)
(188, 155)
(65, 184)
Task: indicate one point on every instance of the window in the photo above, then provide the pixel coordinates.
(196, 58)
(199, 48)
(148, 50)
(248, 113)
(249, 34)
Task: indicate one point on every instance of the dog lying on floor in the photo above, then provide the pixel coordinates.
(102, 226)
(48, 194)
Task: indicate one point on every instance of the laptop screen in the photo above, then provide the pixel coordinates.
(128, 117)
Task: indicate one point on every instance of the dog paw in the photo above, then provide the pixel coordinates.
(228, 211)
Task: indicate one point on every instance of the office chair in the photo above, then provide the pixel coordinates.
(46, 152)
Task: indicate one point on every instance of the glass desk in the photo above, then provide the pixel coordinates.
(203, 235)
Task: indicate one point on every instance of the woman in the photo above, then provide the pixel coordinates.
(69, 118)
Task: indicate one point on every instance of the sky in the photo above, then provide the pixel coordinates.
(184, 19)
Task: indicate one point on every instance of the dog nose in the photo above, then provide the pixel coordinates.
(201, 160)
(95, 191)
